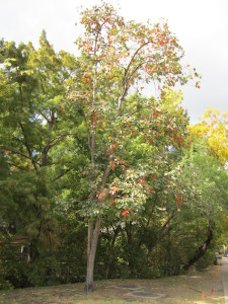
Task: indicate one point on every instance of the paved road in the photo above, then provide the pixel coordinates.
(225, 278)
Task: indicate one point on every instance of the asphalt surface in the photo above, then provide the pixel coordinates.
(225, 278)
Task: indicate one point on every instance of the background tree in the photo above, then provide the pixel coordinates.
(34, 131)
(213, 129)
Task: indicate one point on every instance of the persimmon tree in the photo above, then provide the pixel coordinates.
(117, 59)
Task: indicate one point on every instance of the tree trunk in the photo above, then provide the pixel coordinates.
(200, 252)
(93, 235)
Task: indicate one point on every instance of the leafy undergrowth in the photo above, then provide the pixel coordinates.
(194, 288)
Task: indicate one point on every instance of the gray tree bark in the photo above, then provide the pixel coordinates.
(93, 235)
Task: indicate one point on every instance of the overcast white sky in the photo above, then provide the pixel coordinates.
(200, 25)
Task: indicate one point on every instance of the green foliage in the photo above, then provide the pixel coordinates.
(13, 268)
(34, 134)
(79, 141)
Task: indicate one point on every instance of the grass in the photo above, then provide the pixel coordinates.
(194, 288)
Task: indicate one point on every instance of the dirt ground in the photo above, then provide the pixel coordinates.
(193, 288)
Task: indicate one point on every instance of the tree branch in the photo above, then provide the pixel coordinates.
(126, 77)
(61, 174)
(28, 147)
(18, 153)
